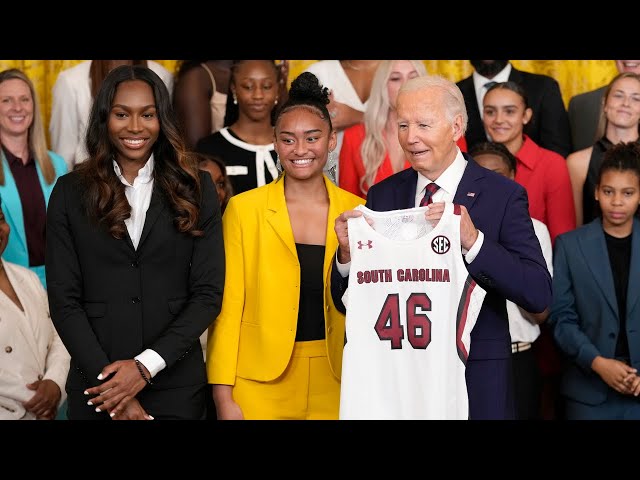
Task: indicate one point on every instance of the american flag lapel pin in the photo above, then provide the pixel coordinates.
(471, 194)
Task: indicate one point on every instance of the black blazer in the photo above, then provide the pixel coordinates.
(549, 125)
(110, 301)
(584, 114)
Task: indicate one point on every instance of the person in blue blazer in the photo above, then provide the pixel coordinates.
(502, 252)
(595, 314)
(28, 171)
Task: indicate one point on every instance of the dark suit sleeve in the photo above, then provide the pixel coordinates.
(206, 282)
(64, 286)
(564, 319)
(555, 132)
(338, 287)
(514, 265)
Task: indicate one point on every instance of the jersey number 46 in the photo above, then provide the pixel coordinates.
(389, 326)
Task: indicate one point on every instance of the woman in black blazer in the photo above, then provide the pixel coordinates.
(135, 259)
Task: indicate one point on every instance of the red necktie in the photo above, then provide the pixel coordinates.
(430, 189)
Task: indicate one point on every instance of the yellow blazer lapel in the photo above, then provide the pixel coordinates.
(331, 241)
(278, 215)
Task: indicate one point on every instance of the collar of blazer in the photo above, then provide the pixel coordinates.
(592, 245)
(279, 218)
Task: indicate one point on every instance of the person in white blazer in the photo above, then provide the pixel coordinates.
(73, 93)
(34, 363)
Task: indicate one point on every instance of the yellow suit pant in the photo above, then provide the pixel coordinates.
(307, 390)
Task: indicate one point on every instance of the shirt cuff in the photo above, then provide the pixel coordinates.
(343, 268)
(150, 359)
(475, 248)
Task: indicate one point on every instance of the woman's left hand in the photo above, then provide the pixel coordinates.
(113, 395)
(44, 403)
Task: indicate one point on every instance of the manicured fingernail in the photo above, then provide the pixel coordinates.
(89, 402)
(100, 377)
(112, 414)
(151, 417)
(98, 409)
(86, 393)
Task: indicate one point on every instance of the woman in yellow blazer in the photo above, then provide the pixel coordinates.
(275, 350)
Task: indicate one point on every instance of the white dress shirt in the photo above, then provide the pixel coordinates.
(479, 83)
(448, 182)
(139, 197)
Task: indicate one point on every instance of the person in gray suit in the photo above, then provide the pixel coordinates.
(585, 109)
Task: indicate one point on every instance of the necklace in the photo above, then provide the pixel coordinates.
(351, 66)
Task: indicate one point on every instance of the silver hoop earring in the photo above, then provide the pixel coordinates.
(332, 165)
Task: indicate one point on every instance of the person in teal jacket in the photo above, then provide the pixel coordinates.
(28, 171)
(595, 314)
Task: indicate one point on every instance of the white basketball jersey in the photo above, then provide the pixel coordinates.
(411, 305)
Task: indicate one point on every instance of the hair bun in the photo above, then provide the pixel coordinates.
(306, 87)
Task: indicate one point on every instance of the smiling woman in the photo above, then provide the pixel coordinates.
(28, 171)
(275, 351)
(135, 259)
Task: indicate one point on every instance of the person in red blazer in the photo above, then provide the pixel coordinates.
(549, 125)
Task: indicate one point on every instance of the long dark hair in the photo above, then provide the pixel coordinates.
(175, 169)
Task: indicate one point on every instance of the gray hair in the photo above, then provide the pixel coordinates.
(453, 100)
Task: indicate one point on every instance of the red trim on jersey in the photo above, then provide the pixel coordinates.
(461, 319)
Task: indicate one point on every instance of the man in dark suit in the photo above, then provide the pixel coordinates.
(549, 125)
(585, 109)
(502, 252)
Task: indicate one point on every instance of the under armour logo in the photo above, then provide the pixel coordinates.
(368, 244)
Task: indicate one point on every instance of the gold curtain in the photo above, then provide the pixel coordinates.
(574, 76)
(43, 74)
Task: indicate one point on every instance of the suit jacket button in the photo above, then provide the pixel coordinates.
(8, 349)
(135, 300)
(134, 264)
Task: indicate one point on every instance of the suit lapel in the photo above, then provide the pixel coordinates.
(278, 215)
(405, 194)
(11, 204)
(468, 188)
(633, 290)
(155, 207)
(24, 325)
(594, 250)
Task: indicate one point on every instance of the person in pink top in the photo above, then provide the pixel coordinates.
(370, 151)
(545, 176)
(543, 173)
